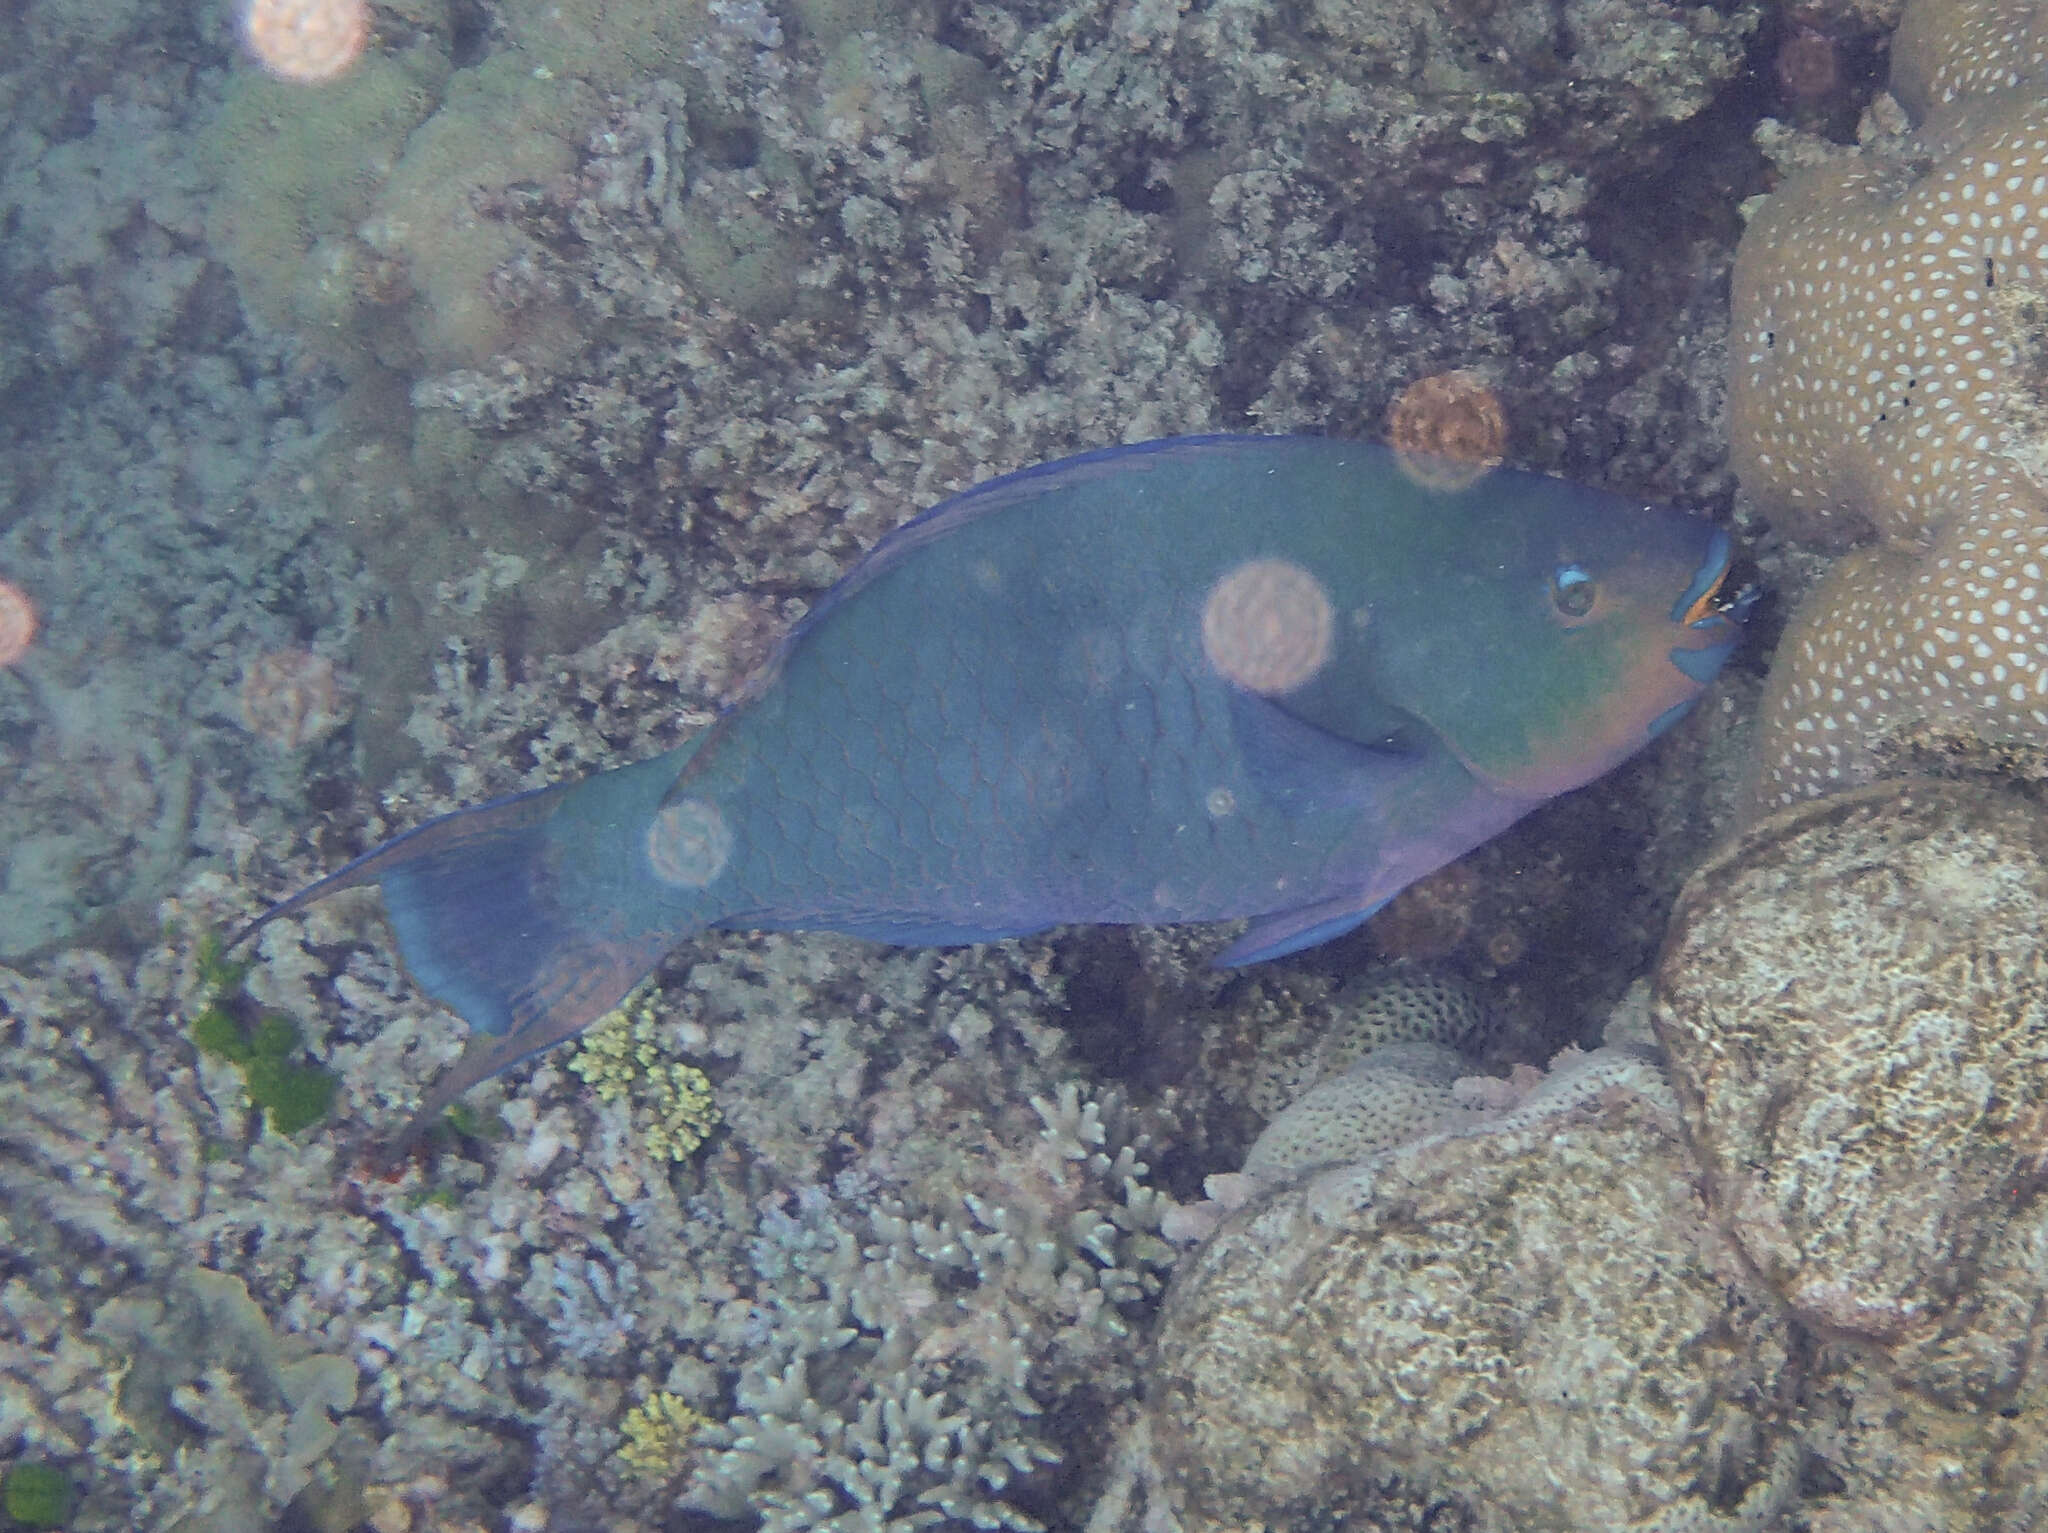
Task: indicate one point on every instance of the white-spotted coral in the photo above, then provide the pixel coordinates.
(1887, 306)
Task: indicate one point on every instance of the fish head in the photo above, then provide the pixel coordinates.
(1561, 631)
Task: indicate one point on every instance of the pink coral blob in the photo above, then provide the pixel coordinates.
(17, 622)
(306, 40)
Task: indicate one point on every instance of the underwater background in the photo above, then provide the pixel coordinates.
(403, 404)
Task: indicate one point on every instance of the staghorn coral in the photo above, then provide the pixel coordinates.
(658, 1433)
(1855, 1002)
(202, 1365)
(1884, 305)
(184, 1302)
(896, 1362)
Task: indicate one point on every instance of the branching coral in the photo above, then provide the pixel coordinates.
(898, 1359)
(658, 1434)
(622, 1057)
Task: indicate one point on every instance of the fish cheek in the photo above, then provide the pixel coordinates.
(1553, 717)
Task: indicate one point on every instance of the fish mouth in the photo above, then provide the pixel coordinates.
(1711, 610)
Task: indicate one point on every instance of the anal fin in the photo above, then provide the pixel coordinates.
(1289, 931)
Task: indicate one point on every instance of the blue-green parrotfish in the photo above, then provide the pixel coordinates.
(1187, 680)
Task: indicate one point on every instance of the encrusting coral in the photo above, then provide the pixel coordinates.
(1395, 1093)
(1890, 348)
(1307, 1041)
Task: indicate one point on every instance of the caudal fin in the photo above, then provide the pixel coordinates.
(523, 915)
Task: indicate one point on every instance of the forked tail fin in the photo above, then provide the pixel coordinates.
(530, 916)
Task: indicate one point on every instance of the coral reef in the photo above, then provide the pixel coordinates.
(1856, 1007)
(892, 1368)
(1395, 1093)
(293, 699)
(969, 1268)
(532, 374)
(658, 1435)
(1421, 1303)
(1393, 1004)
(1889, 318)
(185, 1306)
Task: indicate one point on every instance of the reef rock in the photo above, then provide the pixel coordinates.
(1527, 1328)
(1854, 1000)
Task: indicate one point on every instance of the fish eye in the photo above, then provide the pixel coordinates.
(1572, 590)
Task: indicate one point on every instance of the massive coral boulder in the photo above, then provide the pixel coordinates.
(1887, 387)
(1527, 1328)
(1855, 1003)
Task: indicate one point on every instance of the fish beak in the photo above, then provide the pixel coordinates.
(1700, 597)
(1711, 610)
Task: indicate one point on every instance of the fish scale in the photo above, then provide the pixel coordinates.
(1202, 678)
(1050, 790)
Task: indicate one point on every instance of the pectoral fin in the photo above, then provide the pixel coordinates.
(1304, 768)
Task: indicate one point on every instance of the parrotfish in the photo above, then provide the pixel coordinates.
(1186, 680)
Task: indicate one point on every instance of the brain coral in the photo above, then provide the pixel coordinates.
(1392, 1095)
(1886, 309)
(1529, 1328)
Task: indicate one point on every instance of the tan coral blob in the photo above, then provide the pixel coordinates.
(1447, 430)
(293, 698)
(1881, 306)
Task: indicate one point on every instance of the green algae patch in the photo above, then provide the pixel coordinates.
(293, 1093)
(37, 1496)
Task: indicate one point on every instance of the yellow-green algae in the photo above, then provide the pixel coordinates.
(621, 1057)
(658, 1434)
